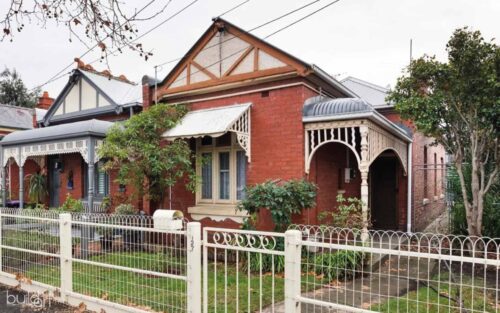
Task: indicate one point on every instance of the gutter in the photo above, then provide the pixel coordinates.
(373, 115)
(52, 138)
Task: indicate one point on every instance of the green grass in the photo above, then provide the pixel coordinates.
(427, 300)
(165, 294)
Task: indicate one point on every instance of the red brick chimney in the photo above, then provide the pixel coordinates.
(44, 102)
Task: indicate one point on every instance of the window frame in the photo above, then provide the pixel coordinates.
(215, 150)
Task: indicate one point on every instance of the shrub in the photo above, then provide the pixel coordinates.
(282, 199)
(491, 213)
(37, 187)
(338, 265)
(266, 261)
(71, 205)
(349, 213)
(125, 209)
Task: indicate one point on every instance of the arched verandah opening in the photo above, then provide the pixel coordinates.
(334, 169)
(387, 191)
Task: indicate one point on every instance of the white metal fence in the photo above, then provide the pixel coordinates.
(110, 262)
(123, 264)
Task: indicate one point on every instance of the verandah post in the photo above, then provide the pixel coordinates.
(66, 254)
(293, 247)
(193, 235)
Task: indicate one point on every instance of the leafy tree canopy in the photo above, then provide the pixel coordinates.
(138, 152)
(458, 103)
(14, 92)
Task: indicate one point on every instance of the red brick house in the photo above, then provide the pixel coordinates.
(63, 144)
(259, 113)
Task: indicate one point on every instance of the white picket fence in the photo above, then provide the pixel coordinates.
(123, 264)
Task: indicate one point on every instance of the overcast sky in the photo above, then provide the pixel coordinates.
(368, 39)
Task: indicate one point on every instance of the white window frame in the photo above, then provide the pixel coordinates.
(232, 149)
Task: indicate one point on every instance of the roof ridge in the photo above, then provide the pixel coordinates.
(366, 83)
(16, 107)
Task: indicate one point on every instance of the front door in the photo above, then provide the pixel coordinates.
(54, 182)
(384, 193)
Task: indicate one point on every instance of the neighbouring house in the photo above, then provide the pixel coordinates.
(258, 113)
(15, 118)
(65, 140)
(428, 160)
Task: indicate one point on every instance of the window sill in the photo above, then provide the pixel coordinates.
(217, 212)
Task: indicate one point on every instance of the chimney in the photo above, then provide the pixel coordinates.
(44, 102)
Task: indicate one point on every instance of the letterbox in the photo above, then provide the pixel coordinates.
(167, 219)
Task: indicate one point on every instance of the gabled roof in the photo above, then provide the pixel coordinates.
(119, 92)
(374, 94)
(14, 117)
(226, 55)
(71, 130)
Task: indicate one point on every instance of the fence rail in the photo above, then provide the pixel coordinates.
(111, 262)
(124, 264)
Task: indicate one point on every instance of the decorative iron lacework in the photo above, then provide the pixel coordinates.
(347, 132)
(242, 129)
(10, 153)
(35, 151)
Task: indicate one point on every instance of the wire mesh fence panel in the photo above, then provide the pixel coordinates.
(243, 270)
(30, 247)
(123, 259)
(397, 272)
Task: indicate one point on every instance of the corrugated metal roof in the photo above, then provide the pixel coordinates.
(338, 106)
(373, 94)
(70, 130)
(15, 117)
(212, 122)
(121, 92)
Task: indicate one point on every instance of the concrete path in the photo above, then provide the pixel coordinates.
(392, 277)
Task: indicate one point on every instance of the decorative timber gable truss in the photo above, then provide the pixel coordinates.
(226, 54)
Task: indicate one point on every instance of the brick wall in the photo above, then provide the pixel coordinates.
(428, 186)
(277, 140)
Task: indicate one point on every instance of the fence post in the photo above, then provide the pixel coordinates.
(194, 267)
(293, 246)
(66, 254)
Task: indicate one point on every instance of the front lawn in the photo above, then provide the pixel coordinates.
(225, 288)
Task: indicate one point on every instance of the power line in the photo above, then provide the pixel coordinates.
(58, 76)
(233, 8)
(251, 30)
(272, 34)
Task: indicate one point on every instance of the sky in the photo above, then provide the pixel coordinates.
(367, 39)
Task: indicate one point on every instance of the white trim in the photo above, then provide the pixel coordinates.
(409, 178)
(217, 212)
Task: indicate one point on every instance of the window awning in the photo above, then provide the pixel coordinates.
(215, 123)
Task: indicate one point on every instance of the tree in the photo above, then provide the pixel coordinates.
(138, 152)
(106, 23)
(14, 92)
(458, 104)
